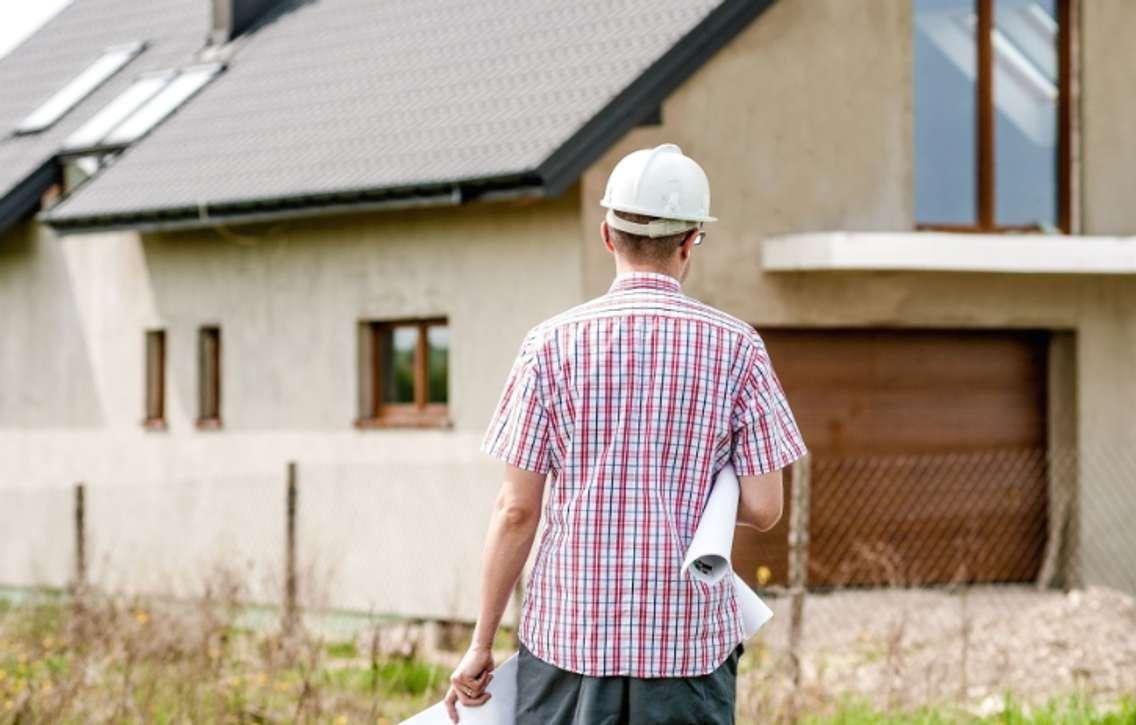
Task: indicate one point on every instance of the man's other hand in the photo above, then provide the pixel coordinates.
(468, 683)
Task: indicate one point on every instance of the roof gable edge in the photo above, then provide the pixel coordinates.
(23, 198)
(646, 93)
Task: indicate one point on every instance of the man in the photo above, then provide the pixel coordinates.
(633, 402)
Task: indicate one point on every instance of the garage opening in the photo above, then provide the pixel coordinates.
(928, 456)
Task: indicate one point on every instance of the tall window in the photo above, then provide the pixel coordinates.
(403, 373)
(209, 377)
(992, 114)
(155, 379)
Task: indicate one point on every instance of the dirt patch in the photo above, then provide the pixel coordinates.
(904, 648)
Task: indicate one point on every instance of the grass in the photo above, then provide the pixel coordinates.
(102, 658)
(1074, 710)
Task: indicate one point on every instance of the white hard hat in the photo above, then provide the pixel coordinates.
(659, 182)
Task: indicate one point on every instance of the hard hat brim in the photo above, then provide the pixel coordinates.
(631, 209)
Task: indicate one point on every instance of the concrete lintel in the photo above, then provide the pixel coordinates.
(950, 252)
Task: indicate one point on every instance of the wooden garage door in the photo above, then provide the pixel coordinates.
(928, 458)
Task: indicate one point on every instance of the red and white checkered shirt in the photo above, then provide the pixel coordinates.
(634, 401)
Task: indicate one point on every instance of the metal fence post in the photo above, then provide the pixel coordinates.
(800, 476)
(80, 512)
(290, 606)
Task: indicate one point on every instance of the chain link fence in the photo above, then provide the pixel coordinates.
(969, 579)
(954, 578)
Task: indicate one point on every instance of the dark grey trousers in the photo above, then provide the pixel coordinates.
(548, 695)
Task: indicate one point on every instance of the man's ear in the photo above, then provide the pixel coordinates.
(687, 245)
(605, 234)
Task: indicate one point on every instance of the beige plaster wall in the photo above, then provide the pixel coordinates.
(390, 520)
(1108, 116)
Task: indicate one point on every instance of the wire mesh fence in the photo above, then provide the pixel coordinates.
(959, 577)
(953, 577)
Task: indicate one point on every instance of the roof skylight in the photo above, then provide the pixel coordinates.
(137, 110)
(176, 92)
(110, 62)
(114, 113)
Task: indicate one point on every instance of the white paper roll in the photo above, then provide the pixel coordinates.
(708, 558)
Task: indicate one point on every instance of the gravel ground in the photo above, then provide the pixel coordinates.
(900, 648)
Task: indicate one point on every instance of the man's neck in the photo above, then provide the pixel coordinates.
(622, 267)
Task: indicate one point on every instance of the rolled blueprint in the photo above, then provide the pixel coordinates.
(708, 558)
(497, 710)
(754, 612)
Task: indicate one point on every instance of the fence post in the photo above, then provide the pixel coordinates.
(290, 608)
(800, 476)
(80, 512)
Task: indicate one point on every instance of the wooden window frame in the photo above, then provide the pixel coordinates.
(208, 396)
(986, 222)
(374, 413)
(154, 413)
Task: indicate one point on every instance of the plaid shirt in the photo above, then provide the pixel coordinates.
(634, 401)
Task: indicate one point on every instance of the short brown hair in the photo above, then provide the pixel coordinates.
(641, 248)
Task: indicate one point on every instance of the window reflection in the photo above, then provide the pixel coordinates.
(397, 364)
(946, 170)
(1025, 73)
(437, 362)
(1025, 96)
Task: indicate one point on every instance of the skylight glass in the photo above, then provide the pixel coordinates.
(91, 133)
(166, 101)
(81, 86)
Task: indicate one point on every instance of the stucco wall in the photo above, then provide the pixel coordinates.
(165, 507)
(45, 377)
(803, 123)
(1108, 115)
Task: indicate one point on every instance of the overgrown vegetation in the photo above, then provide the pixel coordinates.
(1072, 710)
(100, 658)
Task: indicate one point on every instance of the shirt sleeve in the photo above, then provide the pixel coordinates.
(765, 435)
(518, 431)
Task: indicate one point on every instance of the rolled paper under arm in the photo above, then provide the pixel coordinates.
(708, 558)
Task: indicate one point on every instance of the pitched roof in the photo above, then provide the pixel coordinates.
(341, 102)
(56, 53)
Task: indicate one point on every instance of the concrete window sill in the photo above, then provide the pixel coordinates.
(949, 252)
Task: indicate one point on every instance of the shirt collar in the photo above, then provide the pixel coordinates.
(645, 281)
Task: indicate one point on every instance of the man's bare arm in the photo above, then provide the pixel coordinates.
(511, 531)
(761, 500)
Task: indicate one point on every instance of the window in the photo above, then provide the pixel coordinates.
(209, 377)
(403, 373)
(165, 102)
(155, 379)
(77, 169)
(92, 132)
(110, 62)
(137, 110)
(992, 114)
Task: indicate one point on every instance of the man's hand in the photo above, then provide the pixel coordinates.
(468, 683)
(511, 532)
